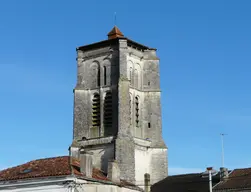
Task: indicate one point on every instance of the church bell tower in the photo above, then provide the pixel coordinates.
(117, 109)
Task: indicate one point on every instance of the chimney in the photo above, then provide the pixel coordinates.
(113, 171)
(86, 163)
(147, 182)
(223, 173)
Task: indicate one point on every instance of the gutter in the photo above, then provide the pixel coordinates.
(36, 182)
(109, 183)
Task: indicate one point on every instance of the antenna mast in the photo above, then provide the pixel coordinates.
(222, 148)
(115, 18)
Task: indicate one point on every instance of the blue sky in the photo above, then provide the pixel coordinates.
(204, 49)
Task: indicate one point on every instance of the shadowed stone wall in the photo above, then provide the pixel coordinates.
(125, 123)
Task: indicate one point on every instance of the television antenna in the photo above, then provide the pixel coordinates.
(115, 18)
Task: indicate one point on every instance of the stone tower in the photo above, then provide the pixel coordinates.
(117, 109)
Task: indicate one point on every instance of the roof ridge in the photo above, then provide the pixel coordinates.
(184, 174)
(20, 165)
(241, 168)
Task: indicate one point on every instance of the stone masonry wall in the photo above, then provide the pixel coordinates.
(116, 62)
(124, 144)
(89, 63)
(159, 164)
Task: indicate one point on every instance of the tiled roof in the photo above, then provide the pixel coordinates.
(56, 166)
(185, 183)
(238, 179)
(114, 33)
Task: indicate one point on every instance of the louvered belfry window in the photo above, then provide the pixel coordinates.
(96, 110)
(108, 114)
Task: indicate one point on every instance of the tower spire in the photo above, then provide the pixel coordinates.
(115, 33)
(115, 18)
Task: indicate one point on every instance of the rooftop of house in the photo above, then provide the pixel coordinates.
(237, 179)
(194, 182)
(54, 167)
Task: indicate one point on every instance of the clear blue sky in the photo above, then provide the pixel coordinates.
(204, 47)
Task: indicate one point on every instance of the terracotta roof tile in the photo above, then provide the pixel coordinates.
(238, 178)
(56, 166)
(115, 33)
(38, 168)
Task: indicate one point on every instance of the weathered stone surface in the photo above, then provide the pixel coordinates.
(134, 138)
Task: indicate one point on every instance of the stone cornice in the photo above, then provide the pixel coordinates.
(82, 56)
(96, 141)
(142, 142)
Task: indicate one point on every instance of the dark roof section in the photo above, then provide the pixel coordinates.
(113, 36)
(185, 183)
(55, 166)
(238, 179)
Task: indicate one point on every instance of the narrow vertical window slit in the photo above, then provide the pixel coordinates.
(105, 75)
(98, 77)
(137, 111)
(108, 114)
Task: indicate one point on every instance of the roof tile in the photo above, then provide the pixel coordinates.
(115, 33)
(56, 166)
(238, 178)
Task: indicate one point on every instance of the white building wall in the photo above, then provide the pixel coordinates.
(143, 156)
(142, 163)
(102, 188)
(78, 186)
(47, 188)
(101, 156)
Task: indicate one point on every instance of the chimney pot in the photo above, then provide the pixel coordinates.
(147, 182)
(86, 164)
(223, 173)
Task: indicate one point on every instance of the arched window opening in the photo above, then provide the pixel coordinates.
(136, 78)
(108, 114)
(98, 77)
(130, 109)
(104, 75)
(95, 115)
(137, 111)
(130, 75)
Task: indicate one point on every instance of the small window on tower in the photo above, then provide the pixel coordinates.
(137, 111)
(96, 110)
(130, 109)
(104, 75)
(149, 125)
(108, 114)
(149, 83)
(98, 77)
(95, 115)
(130, 75)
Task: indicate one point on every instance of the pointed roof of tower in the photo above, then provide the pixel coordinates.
(113, 36)
(115, 33)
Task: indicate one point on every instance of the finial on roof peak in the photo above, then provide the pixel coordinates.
(115, 33)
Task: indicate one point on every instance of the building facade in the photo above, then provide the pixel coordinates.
(62, 174)
(117, 109)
